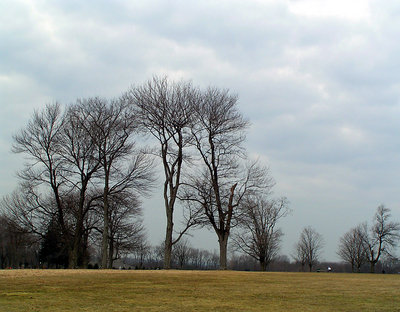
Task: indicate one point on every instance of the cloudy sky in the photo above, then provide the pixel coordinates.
(319, 80)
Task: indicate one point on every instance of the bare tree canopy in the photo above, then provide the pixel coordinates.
(40, 142)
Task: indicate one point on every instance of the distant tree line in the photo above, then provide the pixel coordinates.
(78, 202)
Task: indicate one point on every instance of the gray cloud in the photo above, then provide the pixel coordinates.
(321, 88)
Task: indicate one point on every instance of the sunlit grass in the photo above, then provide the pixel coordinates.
(93, 290)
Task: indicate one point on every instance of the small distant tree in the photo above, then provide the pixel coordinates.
(308, 248)
(259, 236)
(181, 252)
(382, 237)
(142, 251)
(352, 248)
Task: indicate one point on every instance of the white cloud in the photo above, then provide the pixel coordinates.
(356, 10)
(352, 135)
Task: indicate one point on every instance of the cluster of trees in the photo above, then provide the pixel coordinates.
(81, 181)
(79, 195)
(365, 244)
(360, 246)
(81, 186)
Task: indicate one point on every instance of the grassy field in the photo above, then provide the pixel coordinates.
(93, 290)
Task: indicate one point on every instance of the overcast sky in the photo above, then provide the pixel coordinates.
(319, 81)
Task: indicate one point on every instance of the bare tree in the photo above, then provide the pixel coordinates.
(165, 109)
(259, 238)
(352, 248)
(181, 252)
(57, 149)
(141, 253)
(309, 246)
(382, 236)
(80, 156)
(217, 189)
(40, 142)
(124, 168)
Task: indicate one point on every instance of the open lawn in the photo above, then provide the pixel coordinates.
(94, 290)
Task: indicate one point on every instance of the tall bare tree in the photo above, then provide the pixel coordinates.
(352, 248)
(217, 189)
(259, 238)
(165, 109)
(125, 169)
(309, 246)
(382, 237)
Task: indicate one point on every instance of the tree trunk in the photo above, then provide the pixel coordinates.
(85, 254)
(263, 265)
(372, 267)
(74, 254)
(78, 233)
(223, 252)
(111, 255)
(168, 240)
(105, 240)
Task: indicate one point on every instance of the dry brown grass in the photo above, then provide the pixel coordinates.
(92, 290)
